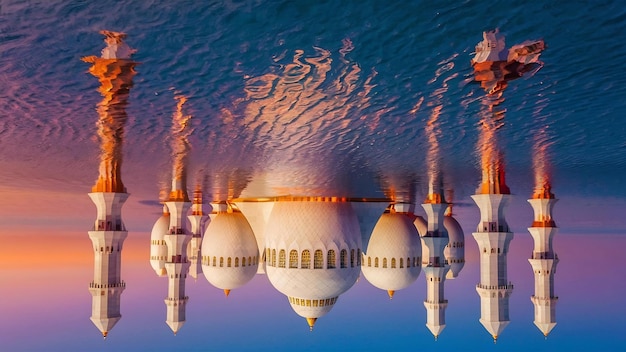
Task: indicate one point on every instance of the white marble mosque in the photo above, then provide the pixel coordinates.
(312, 249)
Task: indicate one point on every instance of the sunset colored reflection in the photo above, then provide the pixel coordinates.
(115, 70)
(543, 260)
(494, 66)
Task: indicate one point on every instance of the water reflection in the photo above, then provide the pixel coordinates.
(115, 71)
(313, 248)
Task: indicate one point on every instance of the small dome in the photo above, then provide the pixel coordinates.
(392, 261)
(455, 250)
(158, 248)
(229, 251)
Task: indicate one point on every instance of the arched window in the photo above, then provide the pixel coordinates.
(352, 258)
(401, 263)
(214, 261)
(229, 262)
(393, 263)
(408, 262)
(236, 262)
(249, 261)
(273, 258)
(281, 258)
(384, 262)
(343, 258)
(293, 258)
(318, 260)
(369, 261)
(358, 257)
(267, 255)
(306, 259)
(376, 262)
(221, 262)
(243, 261)
(331, 260)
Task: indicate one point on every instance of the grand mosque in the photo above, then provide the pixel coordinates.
(312, 249)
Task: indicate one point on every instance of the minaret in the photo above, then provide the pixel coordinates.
(176, 263)
(493, 237)
(178, 237)
(543, 260)
(115, 72)
(435, 239)
(193, 249)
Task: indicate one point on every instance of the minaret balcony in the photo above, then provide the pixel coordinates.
(443, 301)
(544, 255)
(118, 284)
(102, 225)
(495, 287)
(177, 231)
(492, 226)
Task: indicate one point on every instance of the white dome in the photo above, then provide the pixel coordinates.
(229, 251)
(455, 250)
(158, 248)
(328, 232)
(392, 260)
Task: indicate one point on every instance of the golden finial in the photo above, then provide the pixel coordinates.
(391, 293)
(311, 322)
(226, 293)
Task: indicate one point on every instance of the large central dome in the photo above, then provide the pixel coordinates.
(313, 251)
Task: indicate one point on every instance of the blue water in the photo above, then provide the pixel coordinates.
(213, 53)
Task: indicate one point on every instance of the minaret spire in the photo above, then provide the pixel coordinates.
(436, 266)
(115, 71)
(194, 248)
(178, 236)
(544, 260)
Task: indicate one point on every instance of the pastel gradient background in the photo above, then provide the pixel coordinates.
(358, 131)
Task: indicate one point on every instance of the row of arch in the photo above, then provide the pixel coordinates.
(312, 302)
(303, 260)
(107, 249)
(455, 244)
(493, 250)
(158, 242)
(228, 261)
(393, 262)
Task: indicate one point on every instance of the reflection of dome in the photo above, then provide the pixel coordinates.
(312, 253)
(455, 250)
(158, 248)
(392, 260)
(229, 251)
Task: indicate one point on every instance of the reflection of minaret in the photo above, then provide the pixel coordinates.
(435, 239)
(543, 260)
(177, 238)
(193, 249)
(494, 66)
(115, 71)
(493, 237)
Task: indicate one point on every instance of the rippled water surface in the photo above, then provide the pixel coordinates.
(356, 99)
